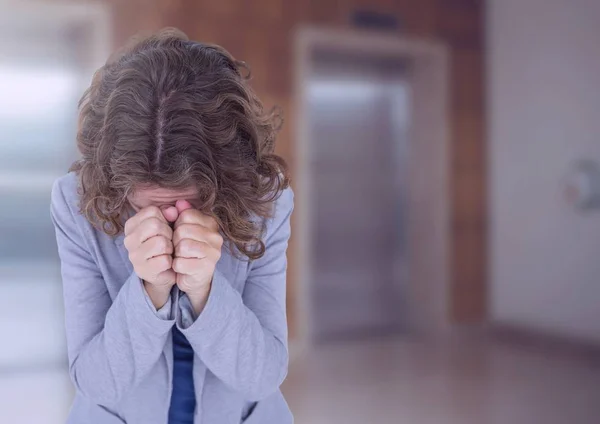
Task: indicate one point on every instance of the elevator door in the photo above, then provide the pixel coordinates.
(358, 118)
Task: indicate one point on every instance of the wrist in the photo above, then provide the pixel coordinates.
(198, 298)
(158, 294)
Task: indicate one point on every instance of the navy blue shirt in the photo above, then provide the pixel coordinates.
(183, 398)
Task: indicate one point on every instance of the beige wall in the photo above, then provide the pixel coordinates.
(544, 113)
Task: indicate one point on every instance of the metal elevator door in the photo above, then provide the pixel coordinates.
(358, 120)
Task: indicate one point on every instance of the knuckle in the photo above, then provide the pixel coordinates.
(184, 218)
(152, 265)
(127, 227)
(176, 239)
(180, 249)
(177, 251)
(188, 213)
(160, 263)
(218, 240)
(193, 231)
(186, 245)
(154, 224)
(180, 230)
(162, 243)
(177, 265)
(154, 211)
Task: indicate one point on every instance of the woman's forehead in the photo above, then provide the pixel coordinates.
(145, 196)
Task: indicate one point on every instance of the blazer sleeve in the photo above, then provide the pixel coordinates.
(111, 345)
(242, 339)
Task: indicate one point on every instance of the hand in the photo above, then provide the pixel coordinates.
(197, 249)
(148, 239)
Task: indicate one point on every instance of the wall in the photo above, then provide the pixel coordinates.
(544, 113)
(261, 32)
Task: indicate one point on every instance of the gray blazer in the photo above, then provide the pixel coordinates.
(120, 348)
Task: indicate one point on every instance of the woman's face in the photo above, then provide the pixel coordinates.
(168, 200)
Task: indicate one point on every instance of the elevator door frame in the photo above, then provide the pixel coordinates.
(428, 215)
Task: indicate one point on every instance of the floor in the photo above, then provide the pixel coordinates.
(398, 381)
(462, 382)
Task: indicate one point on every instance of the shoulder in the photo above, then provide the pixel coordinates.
(284, 205)
(280, 220)
(65, 195)
(66, 214)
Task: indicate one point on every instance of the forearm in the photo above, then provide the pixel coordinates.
(235, 346)
(124, 351)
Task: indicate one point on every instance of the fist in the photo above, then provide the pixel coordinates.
(197, 248)
(148, 240)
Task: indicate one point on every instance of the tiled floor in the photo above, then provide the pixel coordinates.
(389, 382)
(401, 381)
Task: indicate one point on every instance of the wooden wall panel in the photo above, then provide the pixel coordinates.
(460, 24)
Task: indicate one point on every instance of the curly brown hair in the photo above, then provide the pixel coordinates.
(176, 113)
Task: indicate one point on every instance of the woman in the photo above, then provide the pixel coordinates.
(172, 231)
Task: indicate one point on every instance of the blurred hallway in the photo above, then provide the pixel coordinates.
(521, 82)
(466, 381)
